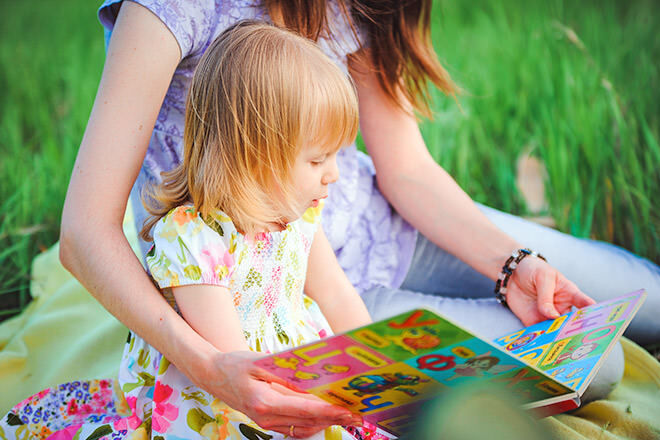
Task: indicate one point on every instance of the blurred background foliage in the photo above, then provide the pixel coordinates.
(574, 84)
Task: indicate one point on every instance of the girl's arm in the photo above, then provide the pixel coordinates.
(328, 285)
(443, 212)
(210, 311)
(140, 62)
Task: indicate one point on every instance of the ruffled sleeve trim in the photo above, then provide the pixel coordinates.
(188, 251)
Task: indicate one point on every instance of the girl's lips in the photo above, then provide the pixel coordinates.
(315, 202)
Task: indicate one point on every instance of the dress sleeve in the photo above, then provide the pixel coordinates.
(190, 21)
(187, 251)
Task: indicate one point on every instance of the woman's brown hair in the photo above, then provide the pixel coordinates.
(396, 34)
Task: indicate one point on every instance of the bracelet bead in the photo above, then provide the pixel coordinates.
(507, 270)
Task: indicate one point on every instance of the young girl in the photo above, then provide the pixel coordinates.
(236, 234)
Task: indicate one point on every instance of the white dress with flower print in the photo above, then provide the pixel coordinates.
(265, 276)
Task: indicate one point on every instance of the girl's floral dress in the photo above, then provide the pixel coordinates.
(152, 398)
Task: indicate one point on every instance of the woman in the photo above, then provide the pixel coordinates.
(151, 54)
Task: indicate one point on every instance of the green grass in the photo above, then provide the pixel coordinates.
(51, 56)
(578, 82)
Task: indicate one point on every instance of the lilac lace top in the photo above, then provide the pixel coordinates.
(373, 243)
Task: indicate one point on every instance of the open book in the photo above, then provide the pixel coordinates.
(384, 371)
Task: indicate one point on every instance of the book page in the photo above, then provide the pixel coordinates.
(386, 370)
(572, 347)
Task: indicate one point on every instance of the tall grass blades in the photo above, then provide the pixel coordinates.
(51, 56)
(577, 83)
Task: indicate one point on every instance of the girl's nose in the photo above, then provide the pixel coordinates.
(332, 173)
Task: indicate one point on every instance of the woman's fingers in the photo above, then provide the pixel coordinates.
(291, 401)
(582, 300)
(568, 295)
(270, 401)
(578, 297)
(545, 290)
(275, 407)
(297, 431)
(312, 412)
(266, 376)
(291, 392)
(311, 417)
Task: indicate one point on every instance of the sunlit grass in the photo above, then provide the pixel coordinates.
(575, 82)
(51, 56)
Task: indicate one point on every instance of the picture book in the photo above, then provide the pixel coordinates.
(386, 370)
(571, 348)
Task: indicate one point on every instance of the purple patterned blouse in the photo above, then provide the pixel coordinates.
(373, 243)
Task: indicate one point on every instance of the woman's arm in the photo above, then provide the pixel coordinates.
(328, 285)
(140, 62)
(443, 212)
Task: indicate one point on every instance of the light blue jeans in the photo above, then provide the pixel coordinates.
(439, 280)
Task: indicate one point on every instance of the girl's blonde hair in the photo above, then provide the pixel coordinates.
(258, 95)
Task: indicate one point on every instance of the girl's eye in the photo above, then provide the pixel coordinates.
(318, 161)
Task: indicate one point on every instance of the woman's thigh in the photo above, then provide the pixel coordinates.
(600, 269)
(483, 316)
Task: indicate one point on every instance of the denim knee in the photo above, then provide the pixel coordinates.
(608, 376)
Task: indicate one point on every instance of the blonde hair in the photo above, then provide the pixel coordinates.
(258, 95)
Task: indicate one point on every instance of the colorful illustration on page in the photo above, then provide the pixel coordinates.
(408, 335)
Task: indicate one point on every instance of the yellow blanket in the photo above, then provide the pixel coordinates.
(66, 335)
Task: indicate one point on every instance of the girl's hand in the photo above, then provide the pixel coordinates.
(537, 292)
(266, 399)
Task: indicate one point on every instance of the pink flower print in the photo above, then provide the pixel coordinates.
(270, 299)
(276, 278)
(264, 238)
(72, 407)
(164, 412)
(307, 245)
(101, 399)
(132, 421)
(35, 398)
(217, 263)
(228, 259)
(65, 434)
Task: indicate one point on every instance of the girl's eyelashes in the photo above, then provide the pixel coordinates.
(319, 160)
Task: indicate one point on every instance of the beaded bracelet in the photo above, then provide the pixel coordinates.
(507, 270)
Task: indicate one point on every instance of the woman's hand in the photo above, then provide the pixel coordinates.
(537, 292)
(265, 398)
